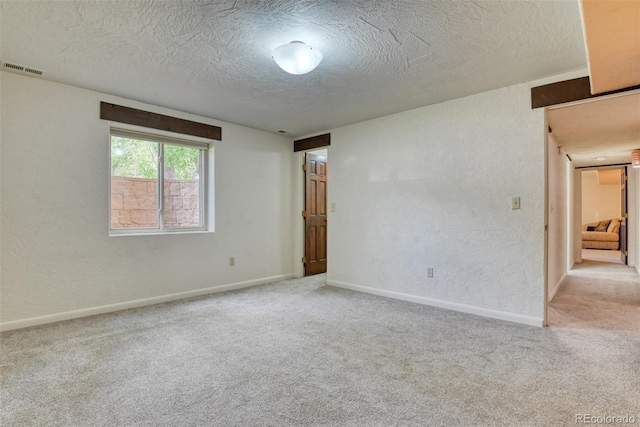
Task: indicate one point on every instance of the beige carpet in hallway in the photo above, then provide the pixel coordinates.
(598, 295)
(603, 255)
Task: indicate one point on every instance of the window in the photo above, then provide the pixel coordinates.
(157, 183)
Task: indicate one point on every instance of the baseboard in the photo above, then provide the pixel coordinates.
(485, 312)
(557, 287)
(67, 315)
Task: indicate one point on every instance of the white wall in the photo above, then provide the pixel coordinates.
(1, 84)
(56, 254)
(632, 211)
(571, 217)
(557, 167)
(599, 202)
(634, 219)
(577, 216)
(432, 187)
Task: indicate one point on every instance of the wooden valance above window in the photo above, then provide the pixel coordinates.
(132, 116)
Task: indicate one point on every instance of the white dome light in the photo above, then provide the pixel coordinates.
(297, 57)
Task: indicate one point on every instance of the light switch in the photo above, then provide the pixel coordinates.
(515, 203)
(333, 207)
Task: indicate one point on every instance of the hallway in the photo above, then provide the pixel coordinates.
(598, 295)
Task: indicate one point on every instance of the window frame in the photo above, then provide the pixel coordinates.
(163, 139)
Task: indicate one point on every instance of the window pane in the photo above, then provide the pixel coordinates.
(134, 183)
(181, 186)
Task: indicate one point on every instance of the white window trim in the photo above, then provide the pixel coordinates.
(134, 132)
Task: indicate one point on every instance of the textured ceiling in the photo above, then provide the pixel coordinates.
(607, 128)
(214, 57)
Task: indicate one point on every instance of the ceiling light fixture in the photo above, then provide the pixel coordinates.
(635, 159)
(297, 57)
(601, 159)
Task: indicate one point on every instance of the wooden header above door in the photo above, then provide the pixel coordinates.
(566, 91)
(312, 142)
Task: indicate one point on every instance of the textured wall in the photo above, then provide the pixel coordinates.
(432, 187)
(56, 253)
(557, 168)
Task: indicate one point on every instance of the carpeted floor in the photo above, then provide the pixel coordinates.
(598, 295)
(300, 353)
(602, 255)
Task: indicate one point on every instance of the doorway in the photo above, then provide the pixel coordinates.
(315, 211)
(604, 215)
(590, 141)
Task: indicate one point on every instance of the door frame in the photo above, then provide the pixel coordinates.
(632, 201)
(624, 210)
(298, 205)
(316, 174)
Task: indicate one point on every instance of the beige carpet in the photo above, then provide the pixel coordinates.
(300, 353)
(602, 255)
(598, 295)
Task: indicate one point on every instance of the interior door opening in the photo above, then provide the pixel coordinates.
(592, 251)
(315, 212)
(604, 215)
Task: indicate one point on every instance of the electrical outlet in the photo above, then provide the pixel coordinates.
(430, 272)
(515, 203)
(232, 261)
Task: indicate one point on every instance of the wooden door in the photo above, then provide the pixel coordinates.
(315, 201)
(625, 215)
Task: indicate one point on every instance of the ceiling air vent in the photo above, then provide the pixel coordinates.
(32, 71)
(14, 67)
